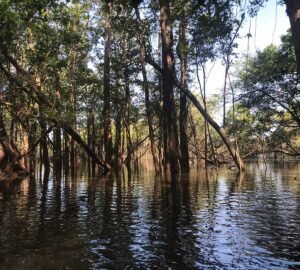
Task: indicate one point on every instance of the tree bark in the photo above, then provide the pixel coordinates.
(10, 166)
(127, 103)
(170, 122)
(183, 117)
(234, 154)
(107, 137)
(57, 154)
(34, 90)
(149, 111)
(44, 148)
(293, 12)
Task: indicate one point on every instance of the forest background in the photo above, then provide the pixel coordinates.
(111, 82)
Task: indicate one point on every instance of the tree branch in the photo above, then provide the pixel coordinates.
(234, 154)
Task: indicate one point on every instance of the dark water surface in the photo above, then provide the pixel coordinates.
(137, 221)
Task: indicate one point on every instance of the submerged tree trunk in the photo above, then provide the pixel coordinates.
(126, 121)
(127, 104)
(34, 90)
(10, 165)
(183, 118)
(57, 154)
(147, 98)
(234, 153)
(169, 113)
(44, 148)
(117, 148)
(107, 138)
(32, 149)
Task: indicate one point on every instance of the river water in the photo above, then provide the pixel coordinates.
(208, 220)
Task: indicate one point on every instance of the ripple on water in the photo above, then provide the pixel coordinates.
(145, 223)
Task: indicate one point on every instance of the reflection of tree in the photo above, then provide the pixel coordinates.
(270, 212)
(210, 222)
(202, 220)
(109, 236)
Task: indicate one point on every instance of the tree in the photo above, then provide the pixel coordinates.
(107, 137)
(171, 157)
(269, 88)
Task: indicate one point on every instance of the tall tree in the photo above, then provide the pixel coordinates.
(171, 157)
(107, 137)
(149, 110)
(183, 117)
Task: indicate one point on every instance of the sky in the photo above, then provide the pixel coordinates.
(267, 28)
(271, 23)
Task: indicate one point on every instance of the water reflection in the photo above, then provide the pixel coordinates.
(208, 220)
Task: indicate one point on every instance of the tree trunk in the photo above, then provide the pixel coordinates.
(93, 144)
(234, 153)
(183, 117)
(35, 91)
(66, 158)
(44, 148)
(127, 103)
(107, 139)
(57, 154)
(169, 113)
(89, 142)
(293, 12)
(10, 166)
(32, 153)
(147, 98)
(118, 120)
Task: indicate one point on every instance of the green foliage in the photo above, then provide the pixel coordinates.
(271, 93)
(60, 46)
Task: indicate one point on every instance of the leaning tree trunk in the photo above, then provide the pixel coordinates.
(170, 122)
(42, 100)
(233, 152)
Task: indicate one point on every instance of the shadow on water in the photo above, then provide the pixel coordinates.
(136, 220)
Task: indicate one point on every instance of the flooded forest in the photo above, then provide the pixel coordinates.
(147, 135)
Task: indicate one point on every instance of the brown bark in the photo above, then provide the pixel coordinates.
(149, 111)
(127, 103)
(57, 154)
(10, 165)
(91, 130)
(234, 154)
(293, 12)
(32, 146)
(183, 117)
(44, 147)
(89, 142)
(169, 113)
(118, 154)
(34, 90)
(107, 137)
(93, 144)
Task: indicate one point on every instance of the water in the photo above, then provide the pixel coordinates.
(206, 221)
